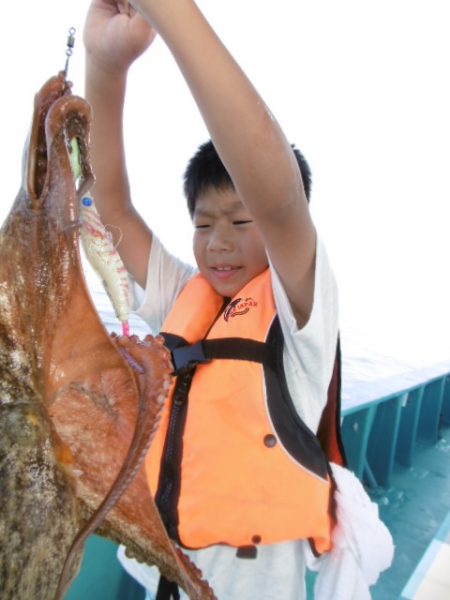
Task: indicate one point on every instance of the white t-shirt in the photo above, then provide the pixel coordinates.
(278, 570)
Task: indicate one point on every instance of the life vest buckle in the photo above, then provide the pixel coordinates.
(185, 358)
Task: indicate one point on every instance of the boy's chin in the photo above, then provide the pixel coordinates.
(227, 289)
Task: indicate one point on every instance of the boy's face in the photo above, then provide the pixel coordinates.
(228, 247)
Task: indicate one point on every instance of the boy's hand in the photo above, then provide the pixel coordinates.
(114, 36)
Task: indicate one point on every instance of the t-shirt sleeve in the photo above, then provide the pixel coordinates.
(309, 352)
(166, 277)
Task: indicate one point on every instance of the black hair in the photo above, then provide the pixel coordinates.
(205, 169)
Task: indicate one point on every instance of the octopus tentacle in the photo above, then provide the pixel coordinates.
(151, 399)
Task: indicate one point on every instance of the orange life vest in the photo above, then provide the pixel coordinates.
(232, 462)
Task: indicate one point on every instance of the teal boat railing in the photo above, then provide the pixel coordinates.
(382, 421)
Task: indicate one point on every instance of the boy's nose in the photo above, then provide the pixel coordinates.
(220, 241)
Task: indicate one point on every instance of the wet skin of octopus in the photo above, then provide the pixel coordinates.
(77, 407)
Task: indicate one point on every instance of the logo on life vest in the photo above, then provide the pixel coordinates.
(241, 306)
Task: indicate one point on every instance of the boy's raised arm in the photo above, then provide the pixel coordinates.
(113, 40)
(249, 141)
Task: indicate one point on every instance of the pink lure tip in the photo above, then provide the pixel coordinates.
(125, 329)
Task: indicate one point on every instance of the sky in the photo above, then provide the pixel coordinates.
(362, 88)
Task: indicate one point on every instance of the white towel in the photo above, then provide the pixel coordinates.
(362, 544)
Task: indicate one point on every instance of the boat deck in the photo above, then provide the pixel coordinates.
(431, 578)
(416, 509)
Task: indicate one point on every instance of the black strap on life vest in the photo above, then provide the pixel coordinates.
(167, 590)
(185, 356)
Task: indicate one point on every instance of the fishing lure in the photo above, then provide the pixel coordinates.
(101, 252)
(105, 260)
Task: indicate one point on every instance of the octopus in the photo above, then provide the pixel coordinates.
(78, 407)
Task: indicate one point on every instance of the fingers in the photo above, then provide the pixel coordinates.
(140, 353)
(126, 8)
(123, 6)
(126, 340)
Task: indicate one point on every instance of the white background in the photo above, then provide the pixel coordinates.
(362, 87)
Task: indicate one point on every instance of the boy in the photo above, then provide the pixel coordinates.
(253, 231)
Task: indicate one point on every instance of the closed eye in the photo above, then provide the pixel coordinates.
(242, 222)
(201, 226)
